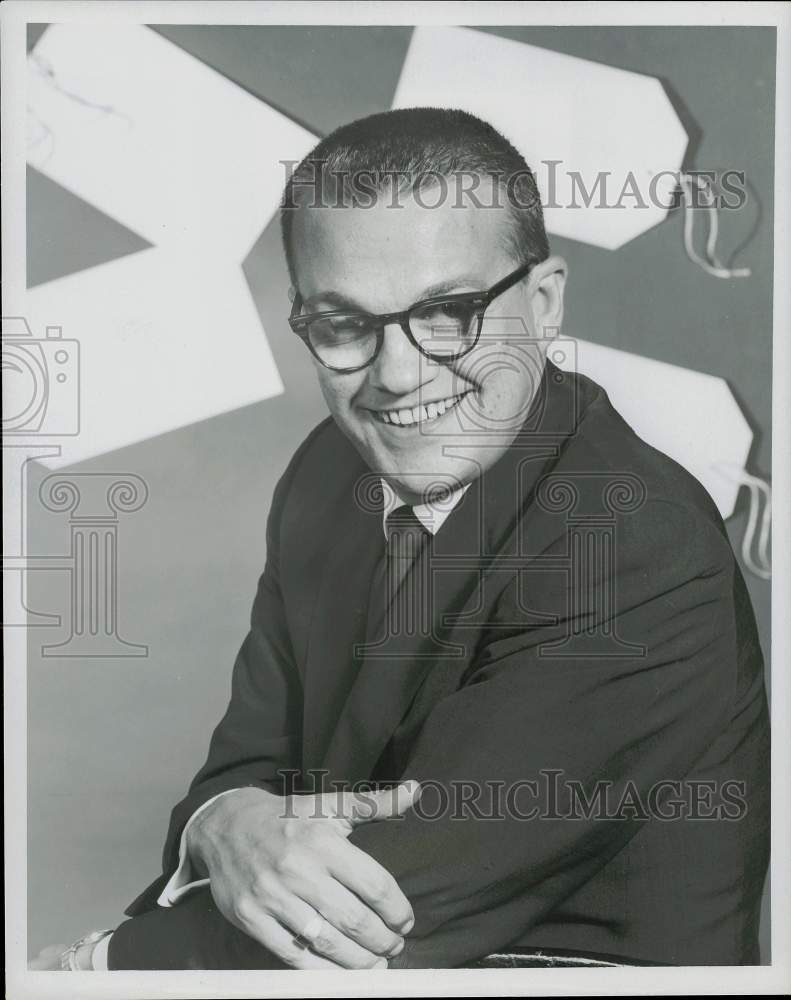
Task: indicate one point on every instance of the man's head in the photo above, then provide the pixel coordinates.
(411, 205)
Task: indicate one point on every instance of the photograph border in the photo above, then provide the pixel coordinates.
(15, 15)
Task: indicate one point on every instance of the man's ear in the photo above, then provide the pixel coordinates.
(546, 286)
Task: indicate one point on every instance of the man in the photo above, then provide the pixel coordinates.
(484, 595)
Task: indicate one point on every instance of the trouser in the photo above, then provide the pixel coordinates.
(195, 935)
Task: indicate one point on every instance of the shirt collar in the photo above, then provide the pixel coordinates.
(431, 515)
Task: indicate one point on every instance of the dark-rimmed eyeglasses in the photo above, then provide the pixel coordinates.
(443, 327)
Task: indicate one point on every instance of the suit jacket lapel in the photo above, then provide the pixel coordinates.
(376, 693)
(338, 623)
(395, 662)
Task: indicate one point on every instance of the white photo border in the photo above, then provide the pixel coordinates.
(15, 15)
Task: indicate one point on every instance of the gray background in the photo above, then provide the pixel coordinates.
(114, 742)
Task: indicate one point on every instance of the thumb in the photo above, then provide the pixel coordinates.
(362, 807)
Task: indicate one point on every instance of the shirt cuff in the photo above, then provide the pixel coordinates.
(99, 955)
(181, 882)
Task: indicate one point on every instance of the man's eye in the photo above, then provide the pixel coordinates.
(350, 323)
(457, 313)
(354, 322)
(454, 310)
(334, 330)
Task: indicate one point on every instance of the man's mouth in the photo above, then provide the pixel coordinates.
(404, 417)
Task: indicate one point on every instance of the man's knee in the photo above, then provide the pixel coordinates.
(192, 935)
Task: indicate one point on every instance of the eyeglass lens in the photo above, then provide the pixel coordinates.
(443, 330)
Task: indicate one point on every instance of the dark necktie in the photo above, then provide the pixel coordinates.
(393, 604)
(406, 536)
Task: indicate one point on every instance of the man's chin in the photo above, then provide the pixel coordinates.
(429, 487)
(417, 477)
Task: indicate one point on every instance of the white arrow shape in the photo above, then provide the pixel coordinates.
(179, 154)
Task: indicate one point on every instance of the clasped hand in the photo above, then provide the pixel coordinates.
(283, 871)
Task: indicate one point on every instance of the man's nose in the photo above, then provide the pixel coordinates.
(399, 368)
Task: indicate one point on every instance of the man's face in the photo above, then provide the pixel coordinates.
(454, 419)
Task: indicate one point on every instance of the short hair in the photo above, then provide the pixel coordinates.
(409, 148)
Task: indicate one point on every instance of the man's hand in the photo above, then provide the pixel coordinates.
(279, 865)
(49, 958)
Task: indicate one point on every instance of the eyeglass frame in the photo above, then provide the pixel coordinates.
(479, 300)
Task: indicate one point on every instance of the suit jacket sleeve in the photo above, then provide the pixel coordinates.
(260, 734)
(631, 720)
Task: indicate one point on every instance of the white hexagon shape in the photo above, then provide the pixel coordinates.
(688, 415)
(605, 144)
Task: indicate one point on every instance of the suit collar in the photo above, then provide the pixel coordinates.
(432, 515)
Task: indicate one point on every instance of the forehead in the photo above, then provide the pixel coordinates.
(403, 243)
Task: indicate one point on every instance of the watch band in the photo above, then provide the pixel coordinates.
(68, 959)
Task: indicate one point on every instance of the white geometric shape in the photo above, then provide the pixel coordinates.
(608, 126)
(688, 415)
(187, 159)
(156, 139)
(160, 347)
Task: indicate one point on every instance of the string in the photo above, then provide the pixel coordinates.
(712, 264)
(44, 135)
(758, 488)
(45, 69)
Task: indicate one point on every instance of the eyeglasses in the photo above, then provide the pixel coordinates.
(443, 328)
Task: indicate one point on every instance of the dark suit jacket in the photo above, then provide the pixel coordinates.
(590, 633)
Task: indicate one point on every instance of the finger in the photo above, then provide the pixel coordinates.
(287, 946)
(362, 807)
(281, 942)
(295, 914)
(373, 883)
(349, 915)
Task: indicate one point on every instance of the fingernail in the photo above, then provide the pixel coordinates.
(397, 949)
(408, 926)
(381, 964)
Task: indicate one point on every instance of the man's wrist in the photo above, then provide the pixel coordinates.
(83, 957)
(79, 957)
(204, 827)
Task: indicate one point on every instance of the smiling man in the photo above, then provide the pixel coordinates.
(483, 595)
(425, 263)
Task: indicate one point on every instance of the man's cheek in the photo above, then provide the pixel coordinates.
(338, 401)
(506, 394)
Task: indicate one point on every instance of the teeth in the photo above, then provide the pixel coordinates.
(418, 414)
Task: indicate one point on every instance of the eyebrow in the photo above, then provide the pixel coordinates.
(339, 301)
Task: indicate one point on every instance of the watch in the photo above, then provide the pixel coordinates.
(68, 960)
